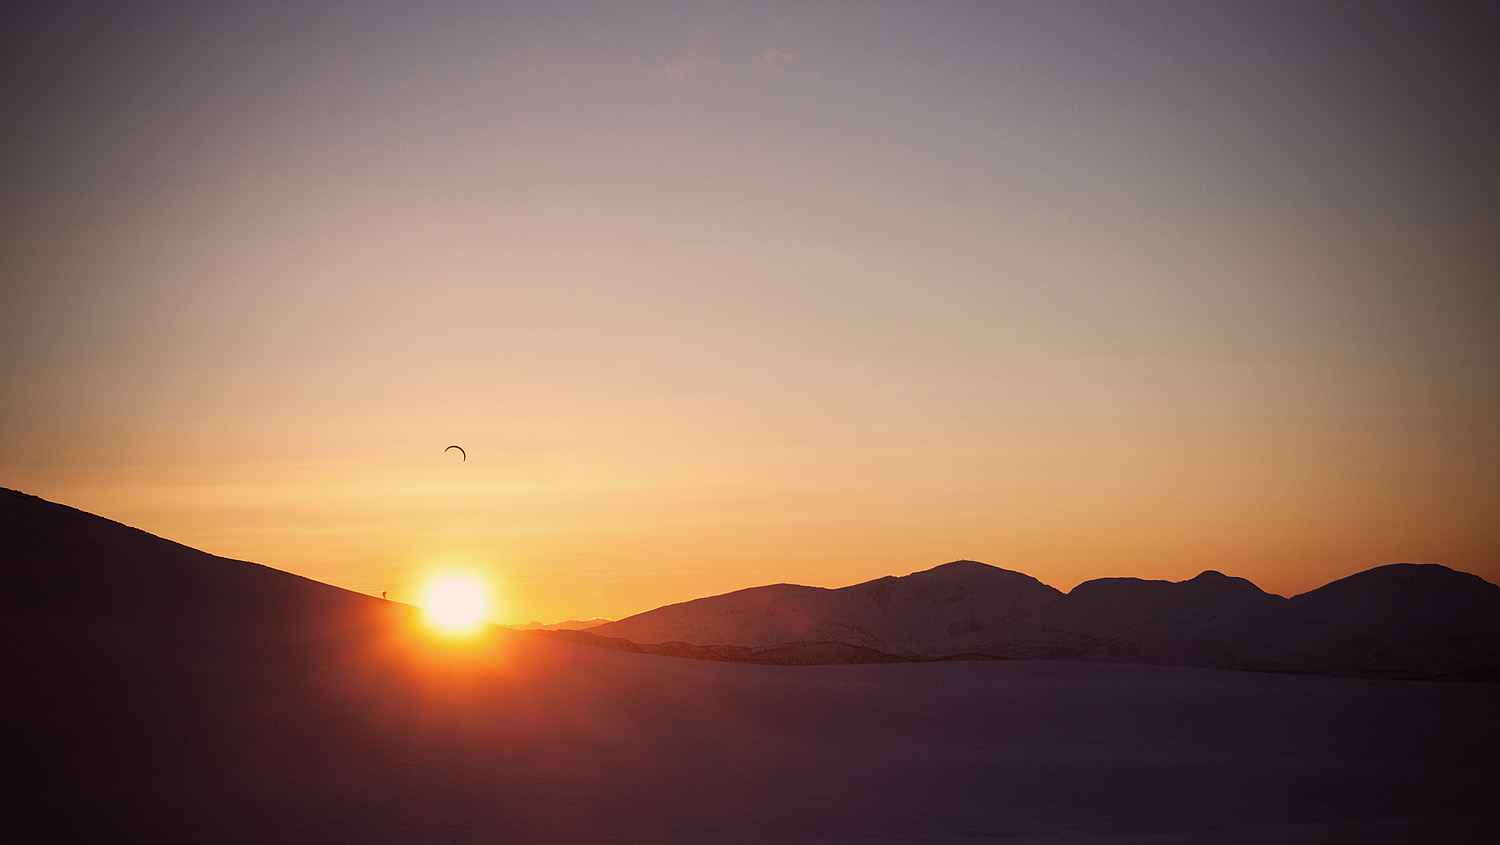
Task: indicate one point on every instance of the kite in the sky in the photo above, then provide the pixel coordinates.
(460, 451)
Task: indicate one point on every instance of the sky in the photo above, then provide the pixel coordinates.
(719, 295)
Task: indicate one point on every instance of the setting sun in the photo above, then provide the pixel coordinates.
(455, 604)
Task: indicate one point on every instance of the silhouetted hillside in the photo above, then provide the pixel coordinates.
(63, 561)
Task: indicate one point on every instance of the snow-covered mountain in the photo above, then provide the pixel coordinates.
(1402, 620)
(918, 614)
(1397, 621)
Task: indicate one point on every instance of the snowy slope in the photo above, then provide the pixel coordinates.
(918, 614)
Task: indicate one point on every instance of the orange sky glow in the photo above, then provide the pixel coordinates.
(723, 296)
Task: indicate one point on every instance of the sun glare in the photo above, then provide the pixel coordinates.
(455, 604)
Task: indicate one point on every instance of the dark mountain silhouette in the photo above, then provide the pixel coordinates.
(63, 561)
(1399, 621)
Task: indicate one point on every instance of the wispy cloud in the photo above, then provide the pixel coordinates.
(775, 59)
(684, 72)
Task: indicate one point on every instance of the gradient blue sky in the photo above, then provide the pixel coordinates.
(726, 294)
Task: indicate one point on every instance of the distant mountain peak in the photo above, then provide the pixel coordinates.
(1213, 579)
(961, 568)
(913, 613)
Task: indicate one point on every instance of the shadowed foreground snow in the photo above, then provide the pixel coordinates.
(166, 694)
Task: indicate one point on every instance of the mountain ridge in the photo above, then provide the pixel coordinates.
(1398, 621)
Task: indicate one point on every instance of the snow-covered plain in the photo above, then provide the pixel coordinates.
(162, 694)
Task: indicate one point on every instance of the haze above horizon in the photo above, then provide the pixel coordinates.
(728, 295)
